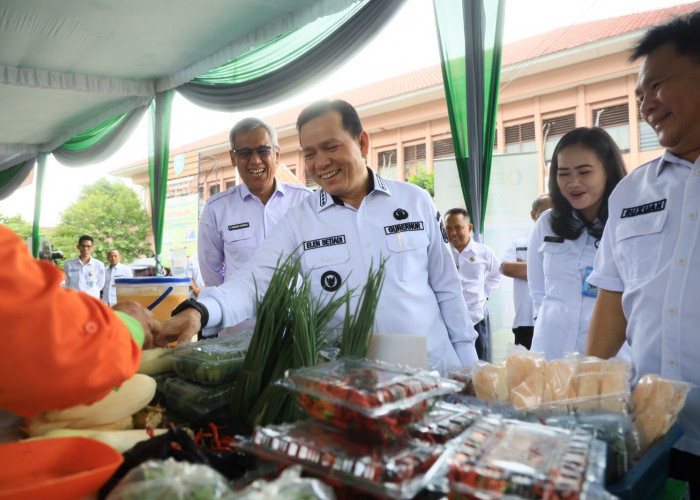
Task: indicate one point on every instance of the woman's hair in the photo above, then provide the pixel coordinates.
(599, 141)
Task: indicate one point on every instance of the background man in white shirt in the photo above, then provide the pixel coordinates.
(514, 265)
(479, 274)
(85, 273)
(115, 270)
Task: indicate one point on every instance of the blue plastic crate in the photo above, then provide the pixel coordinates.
(647, 479)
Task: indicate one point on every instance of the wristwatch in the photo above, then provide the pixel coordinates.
(198, 306)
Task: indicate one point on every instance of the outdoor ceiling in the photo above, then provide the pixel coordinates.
(68, 65)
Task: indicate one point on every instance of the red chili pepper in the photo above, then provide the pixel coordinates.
(215, 432)
(175, 446)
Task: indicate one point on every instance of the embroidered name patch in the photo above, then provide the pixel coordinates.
(554, 239)
(521, 249)
(406, 226)
(325, 242)
(242, 225)
(654, 206)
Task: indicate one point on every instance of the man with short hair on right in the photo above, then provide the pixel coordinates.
(647, 268)
(236, 221)
(514, 265)
(114, 271)
(85, 273)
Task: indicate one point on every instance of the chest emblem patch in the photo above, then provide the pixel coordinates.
(654, 206)
(330, 281)
(400, 214)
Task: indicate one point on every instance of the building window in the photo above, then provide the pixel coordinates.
(520, 138)
(648, 140)
(553, 129)
(443, 148)
(213, 189)
(616, 122)
(386, 166)
(230, 184)
(413, 157)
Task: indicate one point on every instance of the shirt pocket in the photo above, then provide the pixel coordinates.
(328, 268)
(408, 255)
(556, 260)
(639, 243)
(240, 243)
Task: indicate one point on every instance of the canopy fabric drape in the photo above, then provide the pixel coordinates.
(277, 69)
(100, 142)
(470, 34)
(158, 160)
(11, 178)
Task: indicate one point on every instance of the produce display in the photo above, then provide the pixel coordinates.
(658, 402)
(196, 401)
(527, 381)
(398, 469)
(500, 458)
(376, 400)
(212, 362)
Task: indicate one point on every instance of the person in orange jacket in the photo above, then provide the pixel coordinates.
(61, 347)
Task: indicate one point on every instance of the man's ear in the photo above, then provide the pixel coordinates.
(364, 143)
(533, 214)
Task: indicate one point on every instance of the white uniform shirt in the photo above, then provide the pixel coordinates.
(337, 245)
(234, 223)
(651, 253)
(522, 302)
(479, 274)
(109, 292)
(89, 278)
(556, 269)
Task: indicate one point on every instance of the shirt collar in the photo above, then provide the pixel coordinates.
(279, 187)
(669, 158)
(375, 184)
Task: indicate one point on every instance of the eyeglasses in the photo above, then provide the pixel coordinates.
(247, 153)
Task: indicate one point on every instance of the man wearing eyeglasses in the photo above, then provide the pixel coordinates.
(85, 273)
(234, 223)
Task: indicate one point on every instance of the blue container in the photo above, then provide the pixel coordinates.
(647, 479)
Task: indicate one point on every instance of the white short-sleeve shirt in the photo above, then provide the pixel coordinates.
(88, 278)
(234, 223)
(651, 253)
(521, 293)
(479, 274)
(337, 245)
(109, 292)
(556, 271)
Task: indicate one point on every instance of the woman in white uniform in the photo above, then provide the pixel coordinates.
(586, 166)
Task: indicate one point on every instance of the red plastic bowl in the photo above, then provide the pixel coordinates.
(58, 468)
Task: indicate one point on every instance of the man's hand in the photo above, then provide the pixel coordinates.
(151, 327)
(180, 328)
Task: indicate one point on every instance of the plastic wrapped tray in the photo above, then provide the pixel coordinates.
(399, 469)
(374, 399)
(214, 361)
(512, 458)
(195, 401)
(444, 422)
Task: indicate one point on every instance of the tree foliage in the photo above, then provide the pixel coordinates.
(112, 214)
(424, 179)
(17, 224)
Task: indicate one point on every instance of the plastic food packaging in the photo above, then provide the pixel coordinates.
(173, 480)
(213, 361)
(462, 375)
(657, 404)
(399, 469)
(508, 458)
(373, 399)
(290, 484)
(444, 422)
(195, 401)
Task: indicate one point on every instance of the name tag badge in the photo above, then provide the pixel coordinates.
(588, 289)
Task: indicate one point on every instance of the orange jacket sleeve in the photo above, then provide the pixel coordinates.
(60, 347)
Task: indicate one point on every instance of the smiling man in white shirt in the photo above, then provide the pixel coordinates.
(648, 266)
(114, 271)
(479, 273)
